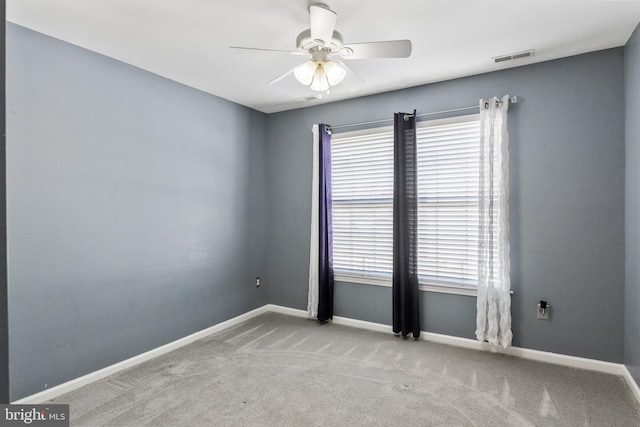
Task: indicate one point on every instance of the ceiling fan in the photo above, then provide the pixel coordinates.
(321, 43)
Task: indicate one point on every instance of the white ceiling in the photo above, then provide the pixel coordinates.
(188, 40)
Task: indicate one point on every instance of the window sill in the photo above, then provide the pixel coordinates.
(386, 282)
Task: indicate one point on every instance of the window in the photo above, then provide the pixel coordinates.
(362, 188)
(362, 175)
(448, 172)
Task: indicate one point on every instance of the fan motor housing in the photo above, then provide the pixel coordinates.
(305, 42)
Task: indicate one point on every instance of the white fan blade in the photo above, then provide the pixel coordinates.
(388, 49)
(291, 52)
(352, 81)
(323, 22)
(281, 76)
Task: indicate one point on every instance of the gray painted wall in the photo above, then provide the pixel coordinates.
(567, 203)
(135, 210)
(632, 206)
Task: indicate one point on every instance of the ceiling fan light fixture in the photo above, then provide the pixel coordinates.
(335, 72)
(305, 72)
(320, 82)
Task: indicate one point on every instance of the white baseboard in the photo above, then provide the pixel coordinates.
(633, 385)
(286, 310)
(74, 384)
(524, 353)
(541, 356)
(337, 320)
(354, 323)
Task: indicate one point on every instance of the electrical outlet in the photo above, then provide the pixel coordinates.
(258, 282)
(543, 310)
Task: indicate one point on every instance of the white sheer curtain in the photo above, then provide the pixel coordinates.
(314, 269)
(493, 321)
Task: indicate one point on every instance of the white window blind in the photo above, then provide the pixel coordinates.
(362, 180)
(362, 187)
(448, 171)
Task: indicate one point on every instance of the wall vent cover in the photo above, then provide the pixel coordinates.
(308, 98)
(512, 56)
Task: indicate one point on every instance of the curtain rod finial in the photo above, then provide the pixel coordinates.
(513, 99)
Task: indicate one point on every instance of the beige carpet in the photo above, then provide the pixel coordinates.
(287, 371)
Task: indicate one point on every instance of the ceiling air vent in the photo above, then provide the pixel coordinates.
(308, 98)
(512, 56)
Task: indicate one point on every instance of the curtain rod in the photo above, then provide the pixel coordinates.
(512, 100)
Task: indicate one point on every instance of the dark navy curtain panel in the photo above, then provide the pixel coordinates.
(325, 280)
(406, 301)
